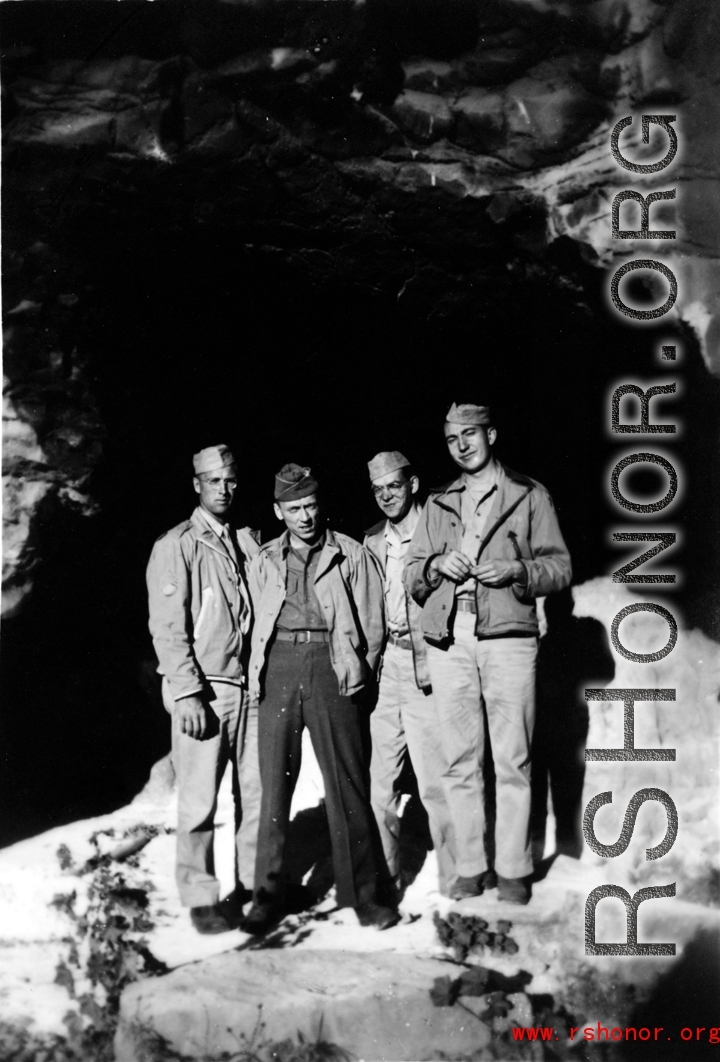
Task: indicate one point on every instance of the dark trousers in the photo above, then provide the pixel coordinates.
(301, 690)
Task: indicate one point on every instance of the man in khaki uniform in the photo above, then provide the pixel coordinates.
(200, 619)
(405, 718)
(315, 646)
(486, 546)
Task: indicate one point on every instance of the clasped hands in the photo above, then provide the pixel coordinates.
(457, 567)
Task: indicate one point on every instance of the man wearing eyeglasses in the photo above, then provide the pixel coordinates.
(200, 619)
(405, 718)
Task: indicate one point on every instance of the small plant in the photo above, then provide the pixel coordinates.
(105, 950)
(466, 934)
(253, 1048)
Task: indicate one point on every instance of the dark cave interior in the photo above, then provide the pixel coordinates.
(305, 325)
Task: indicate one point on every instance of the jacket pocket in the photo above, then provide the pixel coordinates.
(207, 597)
(506, 610)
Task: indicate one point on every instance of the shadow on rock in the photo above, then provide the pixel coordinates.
(574, 653)
(684, 1000)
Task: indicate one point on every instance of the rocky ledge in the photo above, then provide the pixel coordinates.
(96, 948)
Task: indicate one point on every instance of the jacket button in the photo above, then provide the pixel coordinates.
(442, 607)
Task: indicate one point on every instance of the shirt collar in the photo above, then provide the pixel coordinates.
(214, 525)
(286, 544)
(391, 532)
(487, 488)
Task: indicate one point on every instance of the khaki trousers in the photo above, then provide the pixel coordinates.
(405, 721)
(498, 673)
(199, 767)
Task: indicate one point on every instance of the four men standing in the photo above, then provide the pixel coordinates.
(446, 595)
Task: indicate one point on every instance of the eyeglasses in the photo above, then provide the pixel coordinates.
(395, 489)
(217, 483)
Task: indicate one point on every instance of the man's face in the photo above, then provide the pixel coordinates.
(470, 445)
(303, 518)
(394, 494)
(217, 490)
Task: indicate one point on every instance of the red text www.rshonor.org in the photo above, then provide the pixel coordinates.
(629, 1032)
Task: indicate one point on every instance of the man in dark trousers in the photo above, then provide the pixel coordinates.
(200, 619)
(405, 719)
(319, 633)
(485, 547)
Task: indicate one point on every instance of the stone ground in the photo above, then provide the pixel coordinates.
(319, 975)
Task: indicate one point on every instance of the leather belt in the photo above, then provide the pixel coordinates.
(399, 643)
(302, 636)
(466, 604)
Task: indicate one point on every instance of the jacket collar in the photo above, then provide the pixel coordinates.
(277, 550)
(381, 527)
(376, 529)
(510, 485)
(209, 537)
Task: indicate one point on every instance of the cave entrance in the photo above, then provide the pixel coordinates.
(316, 339)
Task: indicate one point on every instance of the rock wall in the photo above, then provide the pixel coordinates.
(371, 136)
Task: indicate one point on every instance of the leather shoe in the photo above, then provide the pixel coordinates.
(373, 914)
(232, 905)
(464, 888)
(209, 920)
(260, 918)
(513, 890)
(488, 879)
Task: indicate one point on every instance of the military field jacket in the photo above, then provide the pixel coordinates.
(522, 525)
(376, 543)
(350, 591)
(196, 604)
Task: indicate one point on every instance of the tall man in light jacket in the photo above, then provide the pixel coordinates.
(486, 546)
(316, 644)
(405, 718)
(200, 619)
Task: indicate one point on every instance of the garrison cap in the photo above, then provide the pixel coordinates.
(466, 413)
(387, 461)
(293, 482)
(211, 459)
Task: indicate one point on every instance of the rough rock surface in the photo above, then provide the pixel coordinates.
(371, 988)
(52, 436)
(374, 1009)
(422, 160)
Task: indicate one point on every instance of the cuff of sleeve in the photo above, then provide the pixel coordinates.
(188, 693)
(521, 584)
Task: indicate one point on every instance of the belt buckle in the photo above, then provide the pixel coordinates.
(303, 637)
